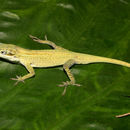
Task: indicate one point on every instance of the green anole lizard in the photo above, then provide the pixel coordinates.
(50, 58)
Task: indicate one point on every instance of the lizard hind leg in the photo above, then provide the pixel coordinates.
(66, 67)
(30, 74)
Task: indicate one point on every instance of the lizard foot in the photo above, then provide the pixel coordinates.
(66, 84)
(18, 79)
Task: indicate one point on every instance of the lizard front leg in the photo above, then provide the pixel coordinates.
(66, 67)
(30, 74)
(52, 44)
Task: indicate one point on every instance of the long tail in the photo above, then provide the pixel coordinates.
(86, 59)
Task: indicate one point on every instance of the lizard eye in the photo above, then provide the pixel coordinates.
(3, 52)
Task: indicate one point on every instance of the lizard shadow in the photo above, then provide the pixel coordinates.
(7, 61)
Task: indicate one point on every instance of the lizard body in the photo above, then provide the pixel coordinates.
(50, 58)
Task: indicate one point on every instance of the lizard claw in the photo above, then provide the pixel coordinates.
(66, 84)
(34, 38)
(46, 37)
(18, 79)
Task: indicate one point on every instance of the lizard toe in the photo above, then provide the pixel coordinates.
(18, 79)
(67, 83)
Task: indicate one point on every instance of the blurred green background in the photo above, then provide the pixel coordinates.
(97, 27)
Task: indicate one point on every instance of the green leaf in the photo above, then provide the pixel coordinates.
(95, 27)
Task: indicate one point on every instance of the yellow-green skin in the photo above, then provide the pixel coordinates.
(50, 58)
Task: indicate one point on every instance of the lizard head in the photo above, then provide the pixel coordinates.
(8, 52)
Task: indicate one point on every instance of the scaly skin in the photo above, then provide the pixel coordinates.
(50, 58)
